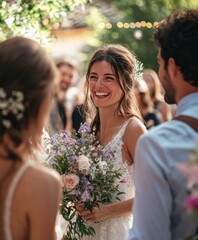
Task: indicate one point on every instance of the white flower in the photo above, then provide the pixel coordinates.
(102, 165)
(6, 123)
(83, 163)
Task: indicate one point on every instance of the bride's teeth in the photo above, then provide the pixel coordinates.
(101, 94)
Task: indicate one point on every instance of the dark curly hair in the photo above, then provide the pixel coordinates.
(177, 38)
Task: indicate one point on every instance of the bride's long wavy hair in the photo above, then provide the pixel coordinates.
(125, 67)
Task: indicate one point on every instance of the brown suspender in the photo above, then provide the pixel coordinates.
(192, 122)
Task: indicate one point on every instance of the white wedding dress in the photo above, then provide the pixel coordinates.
(117, 228)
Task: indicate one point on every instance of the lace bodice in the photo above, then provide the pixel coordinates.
(116, 144)
(9, 199)
(117, 228)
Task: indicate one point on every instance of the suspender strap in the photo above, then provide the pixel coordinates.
(192, 122)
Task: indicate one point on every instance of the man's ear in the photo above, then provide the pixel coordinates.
(172, 67)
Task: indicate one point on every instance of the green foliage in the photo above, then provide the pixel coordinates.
(134, 11)
(33, 18)
(104, 188)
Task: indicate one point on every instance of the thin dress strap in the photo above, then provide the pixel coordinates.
(118, 136)
(122, 130)
(8, 201)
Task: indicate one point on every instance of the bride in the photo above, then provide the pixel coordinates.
(111, 107)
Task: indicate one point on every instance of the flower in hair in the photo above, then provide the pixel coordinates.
(138, 71)
(12, 104)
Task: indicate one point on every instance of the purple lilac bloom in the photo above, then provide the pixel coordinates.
(54, 139)
(66, 138)
(85, 195)
(90, 188)
(84, 128)
(71, 157)
(107, 154)
(79, 141)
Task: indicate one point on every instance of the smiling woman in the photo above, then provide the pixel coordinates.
(112, 110)
(104, 88)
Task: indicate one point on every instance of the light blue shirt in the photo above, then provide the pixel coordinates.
(159, 211)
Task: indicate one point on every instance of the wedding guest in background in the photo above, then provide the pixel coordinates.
(29, 195)
(112, 109)
(159, 209)
(67, 98)
(155, 89)
(152, 117)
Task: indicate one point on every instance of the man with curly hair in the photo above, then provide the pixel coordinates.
(161, 189)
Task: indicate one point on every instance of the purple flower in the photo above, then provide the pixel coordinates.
(85, 195)
(79, 141)
(54, 138)
(71, 157)
(66, 138)
(107, 153)
(84, 128)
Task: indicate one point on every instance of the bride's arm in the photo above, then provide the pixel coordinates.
(106, 211)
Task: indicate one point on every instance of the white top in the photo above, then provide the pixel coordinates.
(117, 228)
(9, 198)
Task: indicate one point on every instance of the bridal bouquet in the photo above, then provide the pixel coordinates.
(87, 175)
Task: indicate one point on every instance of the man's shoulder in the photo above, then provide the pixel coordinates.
(161, 128)
(163, 131)
(170, 131)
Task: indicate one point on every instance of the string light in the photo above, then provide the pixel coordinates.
(108, 25)
(126, 25)
(132, 25)
(120, 25)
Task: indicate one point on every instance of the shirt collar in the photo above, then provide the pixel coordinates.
(190, 99)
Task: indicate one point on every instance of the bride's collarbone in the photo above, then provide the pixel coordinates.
(107, 135)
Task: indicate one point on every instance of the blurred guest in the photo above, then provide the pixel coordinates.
(151, 116)
(66, 99)
(155, 89)
(29, 195)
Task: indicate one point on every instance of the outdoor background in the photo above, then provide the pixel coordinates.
(75, 28)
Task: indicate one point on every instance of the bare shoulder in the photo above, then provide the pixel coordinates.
(44, 175)
(43, 181)
(39, 194)
(135, 126)
(134, 130)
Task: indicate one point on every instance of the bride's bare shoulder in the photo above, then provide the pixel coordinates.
(136, 125)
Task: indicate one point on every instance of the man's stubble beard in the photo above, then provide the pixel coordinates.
(169, 89)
